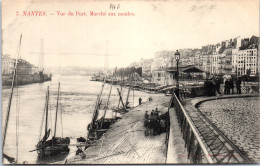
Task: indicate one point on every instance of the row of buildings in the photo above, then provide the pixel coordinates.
(235, 57)
(24, 67)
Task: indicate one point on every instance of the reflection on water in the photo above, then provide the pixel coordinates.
(77, 99)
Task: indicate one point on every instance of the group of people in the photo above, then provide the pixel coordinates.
(155, 123)
(212, 87)
(229, 86)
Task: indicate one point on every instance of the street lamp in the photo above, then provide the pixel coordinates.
(177, 57)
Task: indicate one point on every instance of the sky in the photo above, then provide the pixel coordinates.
(156, 25)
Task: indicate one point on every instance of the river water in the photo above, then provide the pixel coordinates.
(77, 99)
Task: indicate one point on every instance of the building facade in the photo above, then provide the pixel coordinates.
(23, 67)
(7, 64)
(247, 62)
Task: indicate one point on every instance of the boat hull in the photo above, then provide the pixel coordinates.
(53, 147)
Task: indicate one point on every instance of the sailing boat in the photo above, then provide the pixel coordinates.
(93, 126)
(56, 145)
(11, 159)
(102, 118)
(125, 107)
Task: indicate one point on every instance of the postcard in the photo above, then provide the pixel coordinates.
(130, 82)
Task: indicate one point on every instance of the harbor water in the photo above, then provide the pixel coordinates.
(77, 100)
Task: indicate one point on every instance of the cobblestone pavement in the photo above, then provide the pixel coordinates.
(238, 119)
(125, 142)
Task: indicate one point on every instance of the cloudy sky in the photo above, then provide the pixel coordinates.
(157, 25)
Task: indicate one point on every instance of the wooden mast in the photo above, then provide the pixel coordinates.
(11, 96)
(96, 108)
(120, 99)
(57, 107)
(126, 102)
(98, 101)
(107, 100)
(121, 89)
(47, 108)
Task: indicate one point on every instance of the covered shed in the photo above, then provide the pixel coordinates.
(185, 69)
(187, 72)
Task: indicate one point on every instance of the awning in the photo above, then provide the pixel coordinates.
(185, 69)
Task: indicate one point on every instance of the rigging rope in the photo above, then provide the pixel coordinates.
(17, 119)
(61, 110)
(10, 100)
(43, 115)
(50, 119)
(17, 107)
(133, 97)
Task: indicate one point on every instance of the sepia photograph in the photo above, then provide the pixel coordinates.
(130, 82)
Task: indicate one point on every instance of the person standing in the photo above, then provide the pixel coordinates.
(217, 85)
(206, 87)
(163, 125)
(231, 84)
(149, 125)
(140, 100)
(150, 99)
(146, 116)
(152, 113)
(156, 113)
(152, 131)
(238, 85)
(227, 88)
(212, 88)
(148, 128)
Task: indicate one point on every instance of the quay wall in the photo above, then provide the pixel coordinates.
(196, 102)
(176, 152)
(24, 79)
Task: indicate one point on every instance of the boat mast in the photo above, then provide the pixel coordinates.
(47, 107)
(110, 92)
(42, 121)
(98, 103)
(57, 106)
(10, 99)
(121, 89)
(134, 95)
(96, 108)
(120, 99)
(108, 99)
(128, 92)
